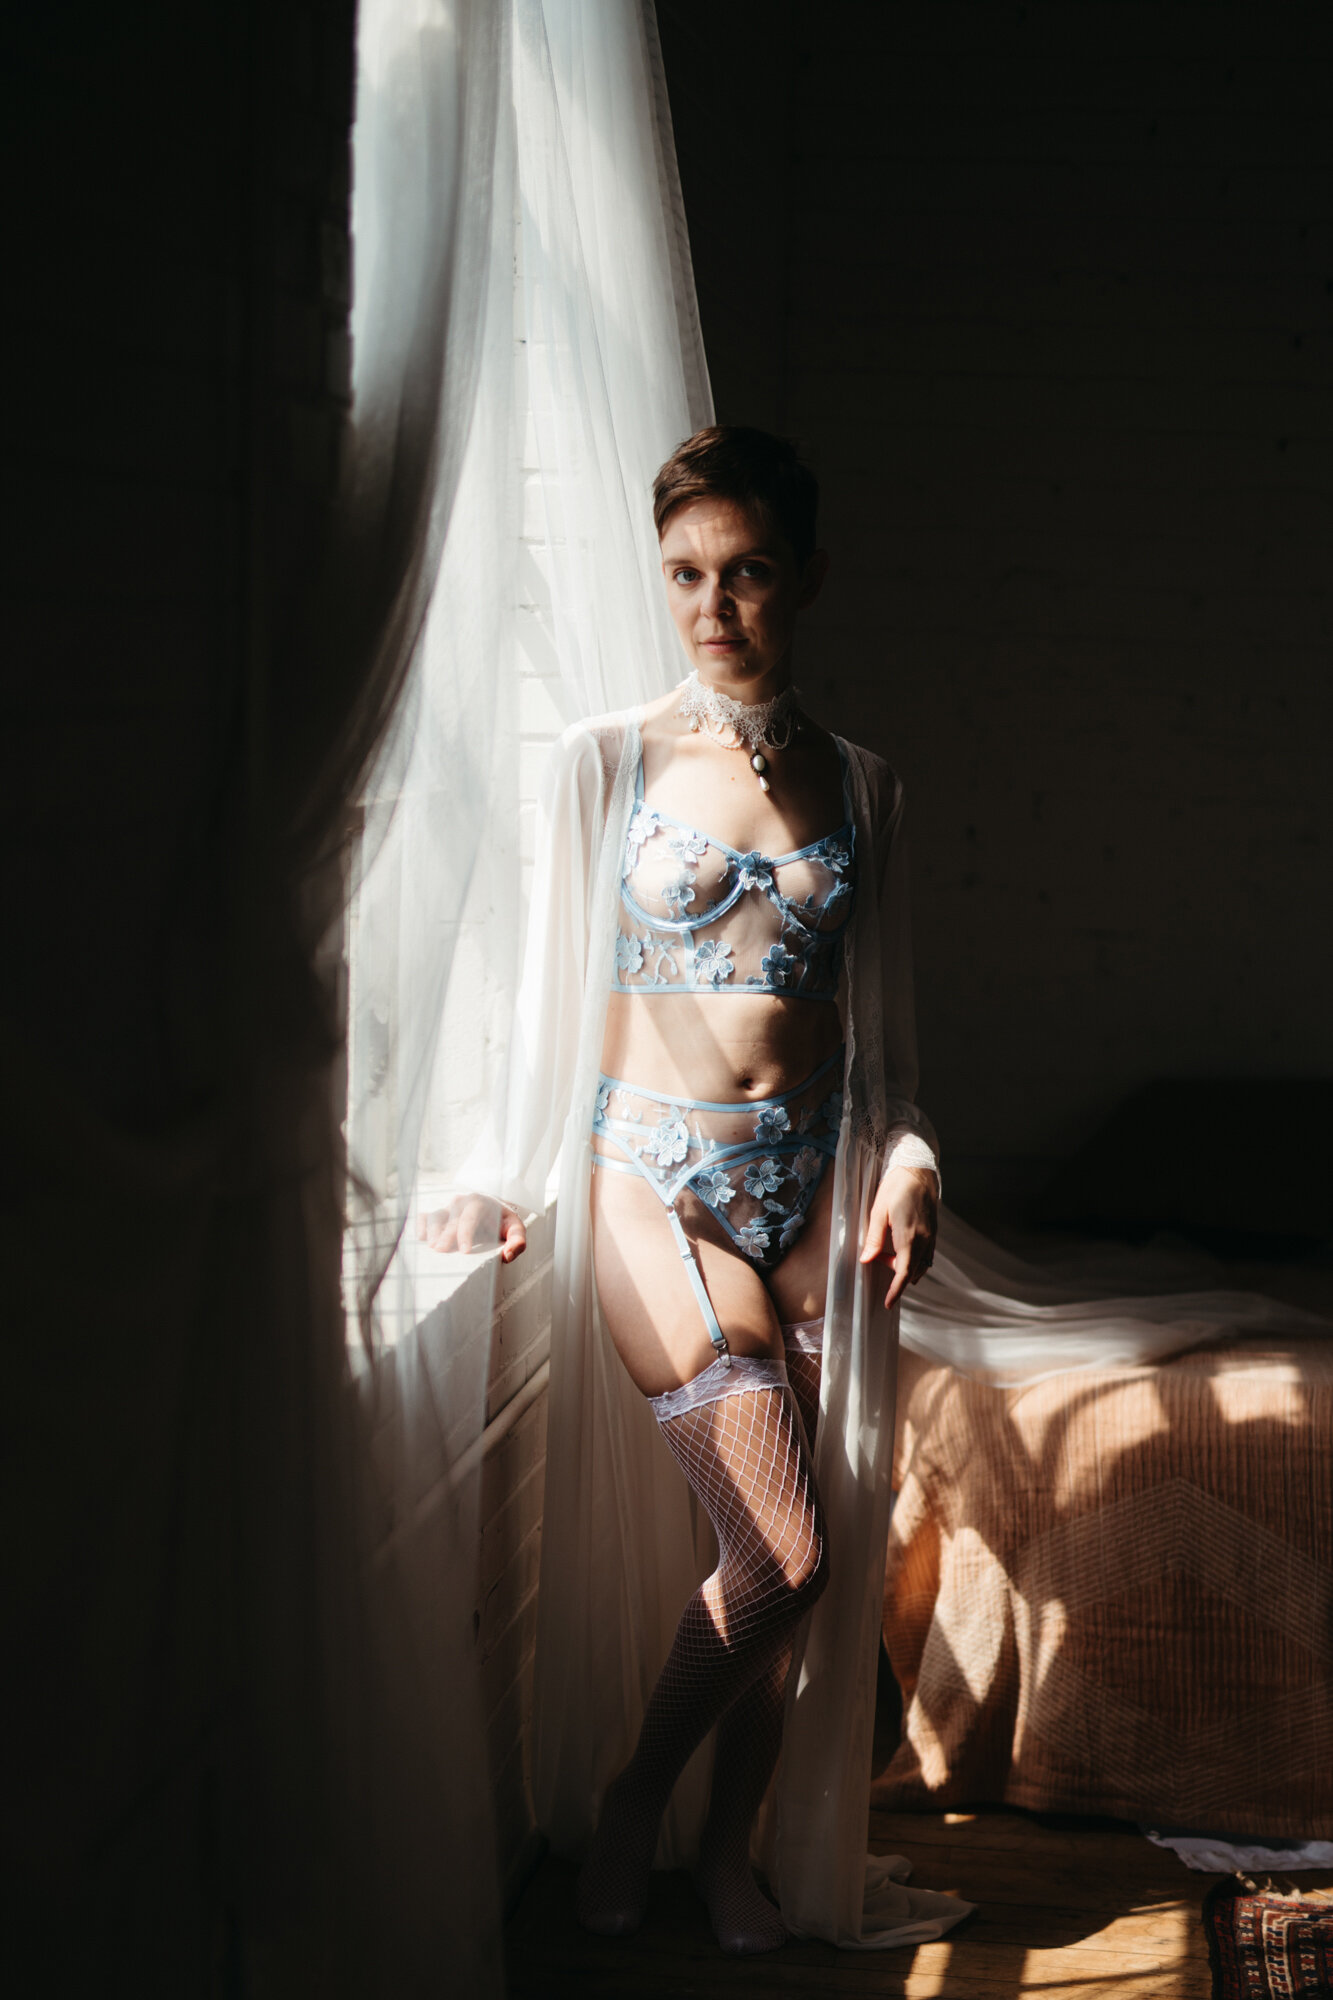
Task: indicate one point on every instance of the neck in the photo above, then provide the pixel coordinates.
(756, 726)
(753, 690)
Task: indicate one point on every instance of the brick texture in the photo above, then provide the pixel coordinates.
(510, 1513)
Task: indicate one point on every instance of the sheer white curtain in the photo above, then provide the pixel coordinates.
(546, 603)
(429, 195)
(568, 364)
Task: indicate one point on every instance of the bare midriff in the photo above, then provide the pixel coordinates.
(723, 1048)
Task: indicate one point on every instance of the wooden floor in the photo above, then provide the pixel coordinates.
(1068, 1910)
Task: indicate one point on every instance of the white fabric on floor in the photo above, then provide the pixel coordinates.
(1215, 1854)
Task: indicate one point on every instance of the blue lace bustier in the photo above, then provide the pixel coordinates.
(697, 916)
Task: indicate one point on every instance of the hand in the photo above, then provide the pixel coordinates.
(474, 1222)
(902, 1226)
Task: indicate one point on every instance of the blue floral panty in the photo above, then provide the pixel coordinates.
(757, 1165)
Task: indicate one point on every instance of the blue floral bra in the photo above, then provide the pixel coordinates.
(700, 917)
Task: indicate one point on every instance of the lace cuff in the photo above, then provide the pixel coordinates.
(910, 1150)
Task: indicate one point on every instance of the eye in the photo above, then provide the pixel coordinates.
(757, 570)
(683, 574)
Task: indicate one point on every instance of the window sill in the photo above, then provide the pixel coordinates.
(427, 1292)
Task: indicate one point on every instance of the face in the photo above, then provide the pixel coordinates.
(734, 589)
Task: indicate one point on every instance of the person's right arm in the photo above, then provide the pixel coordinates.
(506, 1174)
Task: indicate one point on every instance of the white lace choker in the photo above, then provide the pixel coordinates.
(755, 725)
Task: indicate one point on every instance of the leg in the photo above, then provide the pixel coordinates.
(654, 1322)
(745, 1458)
(749, 1735)
(805, 1369)
(646, 1299)
(797, 1288)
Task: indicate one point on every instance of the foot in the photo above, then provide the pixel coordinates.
(743, 1918)
(613, 1882)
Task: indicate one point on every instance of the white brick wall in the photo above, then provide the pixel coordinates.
(507, 1619)
(472, 1038)
(540, 716)
(510, 1519)
(514, 1468)
(508, 1465)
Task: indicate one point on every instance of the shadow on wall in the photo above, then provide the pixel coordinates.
(1242, 1168)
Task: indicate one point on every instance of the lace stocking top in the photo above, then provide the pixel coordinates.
(697, 916)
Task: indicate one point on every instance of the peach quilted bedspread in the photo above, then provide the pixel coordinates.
(1113, 1593)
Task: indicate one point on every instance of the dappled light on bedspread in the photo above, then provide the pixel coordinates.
(1113, 1592)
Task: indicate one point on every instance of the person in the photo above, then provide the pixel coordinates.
(716, 1036)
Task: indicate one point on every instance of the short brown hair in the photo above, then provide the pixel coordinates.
(753, 468)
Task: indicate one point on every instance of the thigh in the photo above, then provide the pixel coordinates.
(647, 1301)
(797, 1285)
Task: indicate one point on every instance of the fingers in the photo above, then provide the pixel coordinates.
(902, 1265)
(876, 1231)
(912, 1258)
(923, 1256)
(436, 1230)
(478, 1224)
(473, 1222)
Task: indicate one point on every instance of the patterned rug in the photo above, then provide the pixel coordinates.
(1267, 1945)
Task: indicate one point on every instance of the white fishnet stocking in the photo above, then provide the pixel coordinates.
(749, 1735)
(745, 1458)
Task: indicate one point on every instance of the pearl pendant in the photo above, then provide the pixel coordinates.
(758, 762)
(764, 785)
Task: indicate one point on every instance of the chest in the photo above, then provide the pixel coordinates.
(681, 872)
(698, 784)
(700, 850)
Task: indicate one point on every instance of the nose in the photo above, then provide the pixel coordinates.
(717, 599)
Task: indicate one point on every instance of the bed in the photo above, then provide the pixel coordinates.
(1112, 1592)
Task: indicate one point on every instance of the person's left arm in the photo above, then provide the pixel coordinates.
(902, 1226)
(905, 1214)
